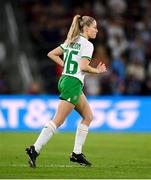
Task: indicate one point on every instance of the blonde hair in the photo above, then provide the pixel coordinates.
(77, 27)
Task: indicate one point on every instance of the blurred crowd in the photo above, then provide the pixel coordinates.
(123, 42)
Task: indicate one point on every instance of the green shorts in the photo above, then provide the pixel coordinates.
(70, 89)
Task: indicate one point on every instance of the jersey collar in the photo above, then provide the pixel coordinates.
(83, 36)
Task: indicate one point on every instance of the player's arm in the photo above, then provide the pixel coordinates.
(55, 56)
(84, 66)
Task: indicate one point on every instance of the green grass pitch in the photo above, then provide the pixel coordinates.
(114, 155)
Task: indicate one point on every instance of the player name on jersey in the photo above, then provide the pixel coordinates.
(75, 46)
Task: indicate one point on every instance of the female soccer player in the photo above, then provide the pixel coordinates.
(77, 52)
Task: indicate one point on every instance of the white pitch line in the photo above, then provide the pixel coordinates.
(64, 166)
(43, 166)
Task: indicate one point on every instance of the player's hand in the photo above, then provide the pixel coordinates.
(101, 68)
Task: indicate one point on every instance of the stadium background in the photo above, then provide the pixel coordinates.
(120, 98)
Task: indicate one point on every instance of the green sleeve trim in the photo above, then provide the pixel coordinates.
(61, 47)
(89, 58)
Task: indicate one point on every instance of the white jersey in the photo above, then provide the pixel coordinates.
(73, 54)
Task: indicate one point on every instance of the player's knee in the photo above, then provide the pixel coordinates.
(89, 117)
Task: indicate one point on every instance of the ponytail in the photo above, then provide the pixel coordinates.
(77, 27)
(74, 30)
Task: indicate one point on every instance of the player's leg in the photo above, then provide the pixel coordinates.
(64, 108)
(84, 110)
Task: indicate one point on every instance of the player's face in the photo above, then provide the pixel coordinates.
(92, 30)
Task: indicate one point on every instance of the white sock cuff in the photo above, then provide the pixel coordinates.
(51, 125)
(83, 127)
